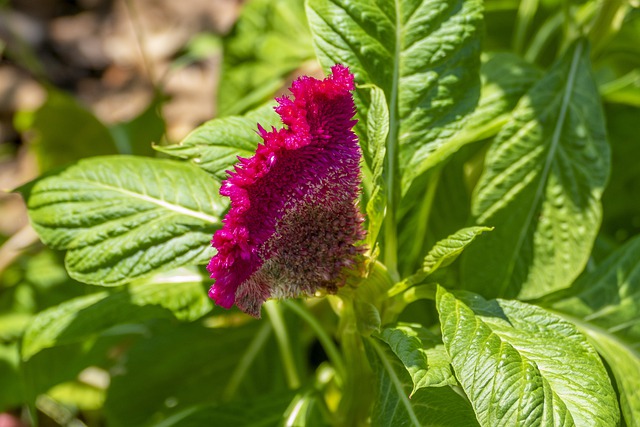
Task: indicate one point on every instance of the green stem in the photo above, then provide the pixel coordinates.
(526, 12)
(404, 295)
(242, 367)
(425, 211)
(607, 23)
(282, 337)
(390, 226)
(327, 342)
(630, 79)
(416, 293)
(357, 396)
(544, 36)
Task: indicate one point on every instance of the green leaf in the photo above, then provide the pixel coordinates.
(125, 217)
(541, 188)
(265, 411)
(427, 406)
(521, 365)
(423, 54)
(422, 354)
(441, 255)
(446, 251)
(624, 362)
(216, 145)
(609, 296)
(377, 132)
(65, 132)
(179, 295)
(505, 79)
(197, 364)
(605, 305)
(269, 41)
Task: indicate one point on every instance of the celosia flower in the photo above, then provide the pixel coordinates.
(294, 225)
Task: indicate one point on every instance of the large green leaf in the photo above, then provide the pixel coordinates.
(605, 305)
(424, 54)
(505, 79)
(124, 217)
(422, 354)
(430, 406)
(521, 365)
(178, 294)
(216, 145)
(541, 187)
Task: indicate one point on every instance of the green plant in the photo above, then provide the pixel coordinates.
(520, 163)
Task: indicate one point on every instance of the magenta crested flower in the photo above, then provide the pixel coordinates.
(294, 226)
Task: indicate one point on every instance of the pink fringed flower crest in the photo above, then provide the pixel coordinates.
(294, 226)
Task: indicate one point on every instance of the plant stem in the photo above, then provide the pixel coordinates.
(390, 226)
(544, 36)
(242, 367)
(327, 342)
(526, 12)
(424, 212)
(607, 23)
(282, 337)
(404, 294)
(416, 293)
(354, 409)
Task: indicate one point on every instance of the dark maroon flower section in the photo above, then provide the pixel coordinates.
(294, 226)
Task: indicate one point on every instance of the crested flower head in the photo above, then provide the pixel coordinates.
(294, 224)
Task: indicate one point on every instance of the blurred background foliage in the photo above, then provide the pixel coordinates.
(91, 77)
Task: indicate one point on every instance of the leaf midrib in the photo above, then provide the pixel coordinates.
(159, 202)
(555, 141)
